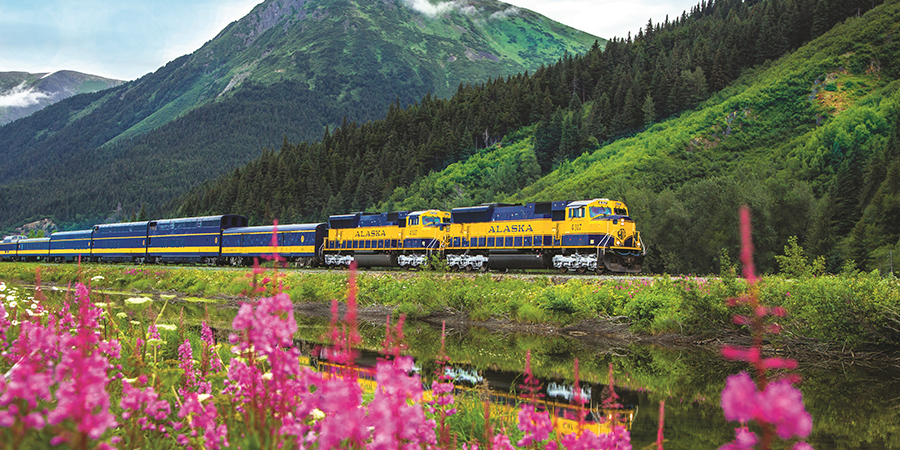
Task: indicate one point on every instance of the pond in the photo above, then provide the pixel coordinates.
(853, 405)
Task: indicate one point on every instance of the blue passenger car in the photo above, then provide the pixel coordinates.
(193, 239)
(8, 247)
(37, 249)
(299, 243)
(70, 246)
(116, 242)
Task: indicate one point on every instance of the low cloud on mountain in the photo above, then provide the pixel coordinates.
(20, 96)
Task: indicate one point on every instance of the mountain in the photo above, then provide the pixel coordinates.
(789, 106)
(23, 93)
(288, 70)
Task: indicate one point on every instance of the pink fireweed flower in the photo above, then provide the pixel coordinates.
(211, 359)
(275, 256)
(535, 424)
(739, 400)
(395, 413)
(779, 363)
(203, 419)
(82, 396)
(31, 376)
(4, 324)
(143, 404)
(780, 404)
(344, 424)
(747, 247)
(744, 439)
(269, 324)
(750, 355)
(502, 442)
(186, 362)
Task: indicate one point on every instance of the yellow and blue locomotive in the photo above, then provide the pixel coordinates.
(397, 239)
(589, 235)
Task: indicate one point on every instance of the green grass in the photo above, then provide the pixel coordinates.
(856, 310)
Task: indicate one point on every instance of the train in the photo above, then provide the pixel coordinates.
(581, 236)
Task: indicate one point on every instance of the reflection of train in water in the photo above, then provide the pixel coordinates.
(501, 389)
(583, 236)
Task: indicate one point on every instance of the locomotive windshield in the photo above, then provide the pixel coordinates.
(432, 221)
(599, 211)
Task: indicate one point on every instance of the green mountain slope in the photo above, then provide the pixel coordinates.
(22, 93)
(809, 140)
(288, 69)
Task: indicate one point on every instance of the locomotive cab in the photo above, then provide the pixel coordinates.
(604, 226)
(426, 229)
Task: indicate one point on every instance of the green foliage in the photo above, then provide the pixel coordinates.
(795, 264)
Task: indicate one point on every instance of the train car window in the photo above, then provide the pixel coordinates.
(622, 211)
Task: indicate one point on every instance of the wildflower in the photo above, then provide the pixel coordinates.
(395, 413)
(98, 278)
(186, 364)
(210, 359)
(142, 404)
(778, 406)
(535, 424)
(203, 418)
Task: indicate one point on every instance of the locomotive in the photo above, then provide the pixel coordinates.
(583, 236)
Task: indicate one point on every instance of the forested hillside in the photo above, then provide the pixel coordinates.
(289, 69)
(735, 102)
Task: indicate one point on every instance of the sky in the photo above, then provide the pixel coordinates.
(126, 39)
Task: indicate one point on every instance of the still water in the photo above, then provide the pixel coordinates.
(853, 405)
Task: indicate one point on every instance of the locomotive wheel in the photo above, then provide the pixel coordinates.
(563, 269)
(581, 270)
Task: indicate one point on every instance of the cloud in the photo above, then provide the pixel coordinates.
(430, 9)
(21, 97)
(500, 15)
